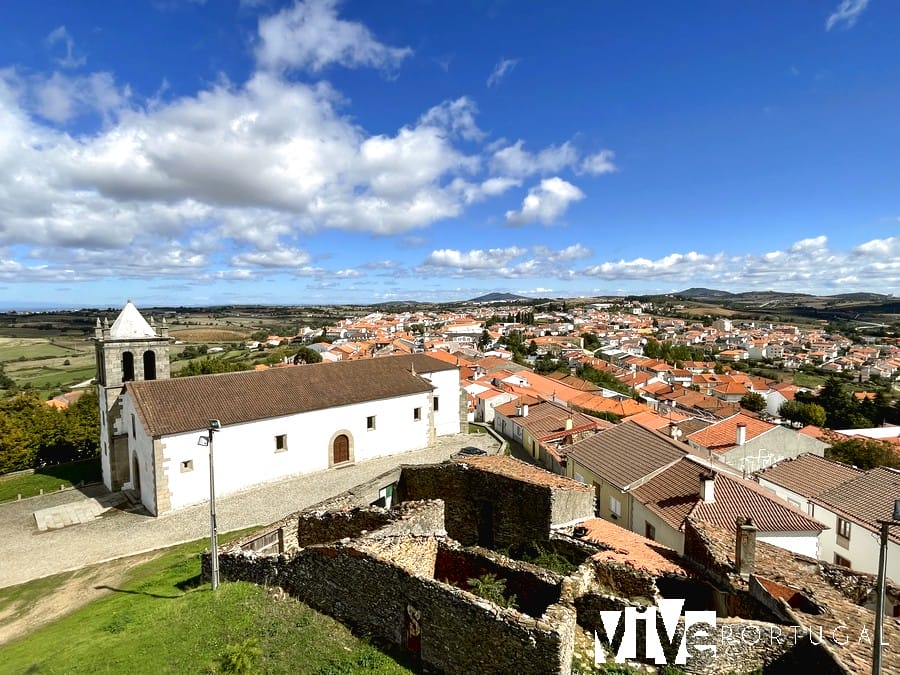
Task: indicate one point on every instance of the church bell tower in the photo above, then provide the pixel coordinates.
(129, 350)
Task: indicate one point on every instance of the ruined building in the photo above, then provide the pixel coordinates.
(406, 557)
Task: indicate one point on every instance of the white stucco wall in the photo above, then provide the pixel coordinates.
(665, 533)
(245, 454)
(796, 542)
(863, 548)
(447, 390)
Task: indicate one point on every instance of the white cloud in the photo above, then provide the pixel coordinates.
(513, 160)
(846, 14)
(310, 36)
(476, 259)
(503, 67)
(288, 258)
(456, 118)
(61, 34)
(60, 98)
(545, 203)
(600, 163)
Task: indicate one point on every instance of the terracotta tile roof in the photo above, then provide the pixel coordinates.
(674, 494)
(514, 468)
(653, 420)
(843, 617)
(626, 453)
(631, 549)
(809, 475)
(867, 498)
(545, 417)
(186, 404)
(722, 436)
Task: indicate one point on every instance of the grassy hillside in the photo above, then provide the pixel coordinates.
(161, 620)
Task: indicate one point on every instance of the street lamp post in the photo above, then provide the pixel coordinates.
(214, 426)
(879, 601)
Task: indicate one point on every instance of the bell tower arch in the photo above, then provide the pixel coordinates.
(129, 350)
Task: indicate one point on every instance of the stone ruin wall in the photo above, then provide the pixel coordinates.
(382, 584)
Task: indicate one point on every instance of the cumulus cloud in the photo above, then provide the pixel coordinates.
(503, 67)
(545, 203)
(846, 14)
(476, 259)
(808, 264)
(455, 117)
(309, 35)
(514, 160)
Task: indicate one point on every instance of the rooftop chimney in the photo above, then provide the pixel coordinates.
(569, 423)
(745, 547)
(741, 434)
(524, 410)
(707, 487)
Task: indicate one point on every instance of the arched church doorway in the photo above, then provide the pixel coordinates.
(340, 449)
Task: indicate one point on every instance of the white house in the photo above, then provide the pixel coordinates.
(274, 423)
(848, 501)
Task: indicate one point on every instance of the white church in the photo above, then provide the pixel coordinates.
(275, 423)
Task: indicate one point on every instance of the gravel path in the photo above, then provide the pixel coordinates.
(29, 554)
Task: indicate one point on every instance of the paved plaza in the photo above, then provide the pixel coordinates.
(30, 553)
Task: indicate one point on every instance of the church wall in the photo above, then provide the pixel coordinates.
(446, 418)
(246, 454)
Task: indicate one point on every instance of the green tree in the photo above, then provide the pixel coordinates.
(485, 340)
(753, 402)
(211, 365)
(864, 453)
(307, 355)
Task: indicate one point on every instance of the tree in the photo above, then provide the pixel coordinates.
(864, 453)
(307, 355)
(485, 340)
(211, 365)
(803, 413)
(753, 402)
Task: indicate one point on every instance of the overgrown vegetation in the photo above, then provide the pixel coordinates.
(490, 587)
(161, 620)
(864, 453)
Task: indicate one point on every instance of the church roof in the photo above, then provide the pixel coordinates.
(130, 324)
(184, 404)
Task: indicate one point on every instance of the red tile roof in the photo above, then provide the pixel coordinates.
(809, 475)
(674, 494)
(631, 549)
(722, 436)
(626, 453)
(184, 404)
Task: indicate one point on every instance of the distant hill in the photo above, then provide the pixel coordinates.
(498, 297)
(694, 293)
(867, 297)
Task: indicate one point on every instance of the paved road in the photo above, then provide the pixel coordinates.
(29, 554)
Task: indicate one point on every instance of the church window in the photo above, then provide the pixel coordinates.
(370, 422)
(133, 427)
(417, 414)
(149, 365)
(127, 367)
(436, 404)
(187, 465)
(281, 443)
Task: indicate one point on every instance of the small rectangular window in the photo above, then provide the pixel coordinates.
(437, 405)
(843, 528)
(649, 531)
(417, 414)
(187, 465)
(281, 443)
(841, 560)
(370, 422)
(615, 507)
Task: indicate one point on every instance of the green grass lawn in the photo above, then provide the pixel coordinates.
(162, 621)
(49, 479)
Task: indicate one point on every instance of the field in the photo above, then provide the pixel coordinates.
(156, 617)
(207, 335)
(50, 365)
(49, 479)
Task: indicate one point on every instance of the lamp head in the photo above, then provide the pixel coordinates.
(896, 515)
(215, 425)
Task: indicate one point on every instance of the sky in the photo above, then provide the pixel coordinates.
(182, 152)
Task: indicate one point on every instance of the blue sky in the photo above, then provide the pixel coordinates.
(237, 151)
